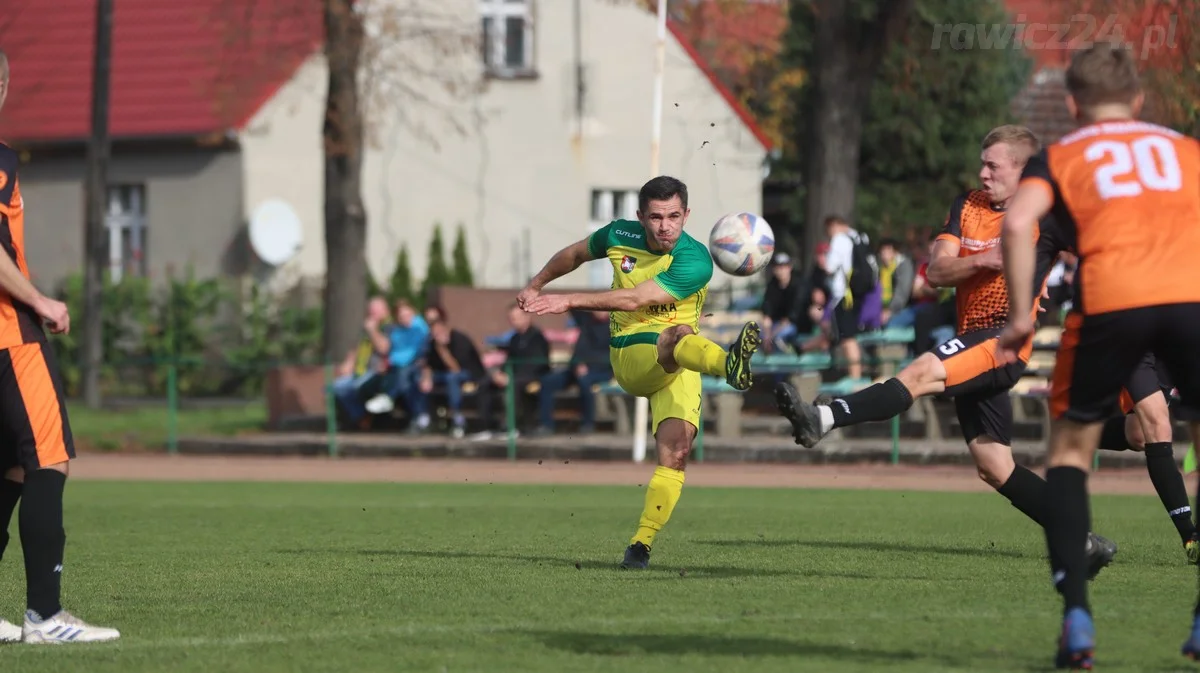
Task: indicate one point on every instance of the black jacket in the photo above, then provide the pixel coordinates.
(463, 352)
(530, 353)
(786, 303)
(591, 348)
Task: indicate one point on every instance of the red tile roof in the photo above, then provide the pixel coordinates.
(179, 67)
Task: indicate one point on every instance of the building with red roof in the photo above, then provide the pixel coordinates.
(217, 108)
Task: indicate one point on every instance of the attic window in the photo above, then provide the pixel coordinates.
(507, 37)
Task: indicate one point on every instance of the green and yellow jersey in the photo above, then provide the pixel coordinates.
(683, 273)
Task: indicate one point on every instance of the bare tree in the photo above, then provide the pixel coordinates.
(345, 216)
(850, 41)
(391, 63)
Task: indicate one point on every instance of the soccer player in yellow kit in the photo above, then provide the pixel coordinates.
(660, 280)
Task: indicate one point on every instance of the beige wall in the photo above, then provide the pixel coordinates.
(193, 210)
(521, 172)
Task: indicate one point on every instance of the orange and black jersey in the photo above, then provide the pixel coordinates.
(982, 299)
(1128, 193)
(18, 322)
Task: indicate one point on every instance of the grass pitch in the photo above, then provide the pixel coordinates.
(318, 577)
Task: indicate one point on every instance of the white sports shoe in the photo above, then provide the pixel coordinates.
(64, 627)
(9, 632)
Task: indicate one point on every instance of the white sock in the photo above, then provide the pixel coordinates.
(826, 418)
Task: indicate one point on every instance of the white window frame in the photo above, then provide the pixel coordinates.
(607, 205)
(126, 214)
(499, 11)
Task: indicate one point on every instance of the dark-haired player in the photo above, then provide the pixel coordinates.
(660, 280)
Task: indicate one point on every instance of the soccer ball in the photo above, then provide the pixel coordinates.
(741, 244)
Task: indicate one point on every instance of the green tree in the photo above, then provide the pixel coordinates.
(461, 273)
(373, 288)
(927, 109)
(437, 273)
(401, 284)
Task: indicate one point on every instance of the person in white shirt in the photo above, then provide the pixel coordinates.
(839, 267)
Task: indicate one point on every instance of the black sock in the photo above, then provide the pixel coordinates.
(10, 493)
(1164, 474)
(1112, 437)
(1027, 492)
(875, 403)
(1067, 523)
(43, 540)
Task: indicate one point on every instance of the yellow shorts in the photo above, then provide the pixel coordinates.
(676, 395)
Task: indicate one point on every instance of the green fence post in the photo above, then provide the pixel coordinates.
(330, 412)
(172, 407)
(895, 440)
(510, 409)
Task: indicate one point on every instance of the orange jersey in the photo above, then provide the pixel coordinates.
(18, 322)
(1128, 192)
(982, 299)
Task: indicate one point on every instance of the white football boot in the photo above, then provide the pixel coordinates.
(9, 632)
(64, 627)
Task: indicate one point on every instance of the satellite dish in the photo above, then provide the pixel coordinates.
(275, 232)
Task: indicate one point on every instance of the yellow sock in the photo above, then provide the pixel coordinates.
(662, 493)
(698, 354)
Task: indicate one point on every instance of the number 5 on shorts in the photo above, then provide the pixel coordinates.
(951, 347)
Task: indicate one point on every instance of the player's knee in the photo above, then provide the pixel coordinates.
(923, 374)
(16, 474)
(994, 464)
(668, 339)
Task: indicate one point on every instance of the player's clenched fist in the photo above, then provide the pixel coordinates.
(527, 295)
(55, 314)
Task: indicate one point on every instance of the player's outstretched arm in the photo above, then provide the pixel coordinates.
(947, 269)
(563, 262)
(646, 293)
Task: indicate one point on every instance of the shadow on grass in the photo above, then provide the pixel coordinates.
(584, 564)
(867, 546)
(612, 565)
(713, 645)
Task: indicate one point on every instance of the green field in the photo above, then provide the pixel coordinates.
(312, 577)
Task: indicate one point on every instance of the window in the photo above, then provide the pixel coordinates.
(507, 37)
(609, 205)
(126, 225)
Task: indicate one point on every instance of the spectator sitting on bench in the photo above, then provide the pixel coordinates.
(408, 340)
(896, 277)
(528, 351)
(589, 365)
(363, 367)
(784, 304)
(452, 361)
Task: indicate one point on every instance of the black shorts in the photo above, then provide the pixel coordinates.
(34, 431)
(1099, 354)
(1151, 377)
(845, 321)
(986, 414)
(980, 384)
